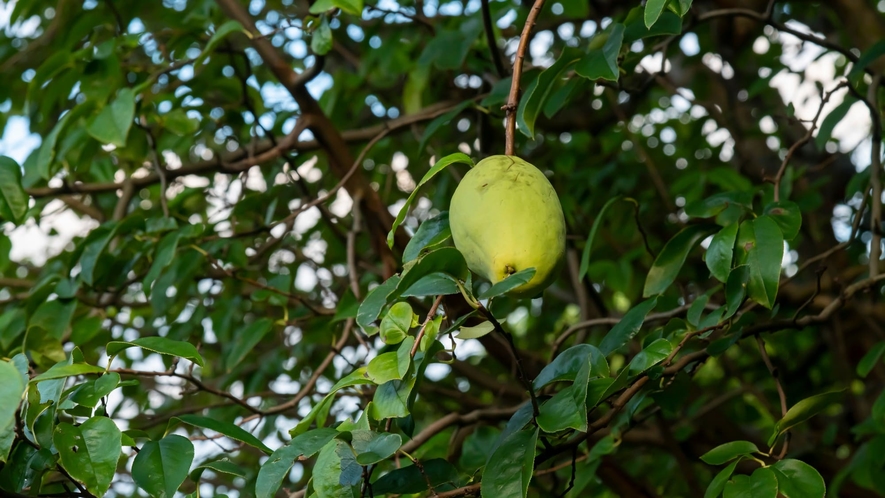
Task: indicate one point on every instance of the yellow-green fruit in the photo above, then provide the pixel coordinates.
(506, 217)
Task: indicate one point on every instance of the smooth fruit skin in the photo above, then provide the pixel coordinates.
(505, 217)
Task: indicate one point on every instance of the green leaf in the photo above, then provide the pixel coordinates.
(446, 260)
(161, 345)
(90, 393)
(729, 451)
(432, 284)
(372, 447)
(277, 467)
(221, 32)
(245, 341)
(374, 302)
(327, 473)
(476, 331)
(391, 399)
(760, 246)
(218, 466)
(12, 386)
(94, 246)
(871, 54)
(717, 203)
(567, 409)
(61, 371)
(430, 234)
(667, 23)
(585, 255)
(650, 356)
(354, 7)
(393, 365)
(410, 480)
(321, 38)
(230, 430)
(671, 258)
(111, 125)
(684, 6)
(787, 216)
(457, 157)
(509, 283)
(531, 104)
(603, 63)
(510, 467)
(797, 479)
(54, 316)
(13, 199)
(46, 156)
(567, 364)
(720, 252)
(396, 323)
(718, 483)
(825, 131)
(869, 360)
(160, 467)
(762, 484)
(627, 327)
(89, 452)
(653, 9)
(165, 253)
(804, 410)
(736, 290)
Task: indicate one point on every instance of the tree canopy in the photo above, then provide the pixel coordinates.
(227, 266)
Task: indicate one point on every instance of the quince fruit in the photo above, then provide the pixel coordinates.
(505, 217)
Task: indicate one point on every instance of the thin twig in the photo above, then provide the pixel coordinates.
(875, 178)
(490, 39)
(513, 98)
(777, 382)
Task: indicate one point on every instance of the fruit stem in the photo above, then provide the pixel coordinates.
(513, 98)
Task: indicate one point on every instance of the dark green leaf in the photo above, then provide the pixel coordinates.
(531, 104)
(476, 331)
(671, 258)
(245, 341)
(729, 451)
(161, 345)
(804, 410)
(509, 283)
(61, 371)
(230, 430)
(653, 9)
(627, 327)
(718, 483)
(354, 7)
(372, 447)
(869, 55)
(825, 132)
(443, 260)
(567, 409)
(736, 290)
(397, 322)
(161, 466)
(111, 125)
(12, 386)
(588, 246)
(667, 24)
(431, 233)
(650, 356)
(869, 360)
(328, 472)
(510, 467)
(13, 199)
(408, 480)
(567, 364)
(603, 63)
(321, 38)
(457, 157)
(715, 204)
(787, 216)
(433, 284)
(441, 121)
(761, 484)
(374, 302)
(760, 246)
(277, 467)
(797, 479)
(720, 253)
(89, 452)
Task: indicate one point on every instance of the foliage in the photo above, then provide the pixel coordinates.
(246, 283)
